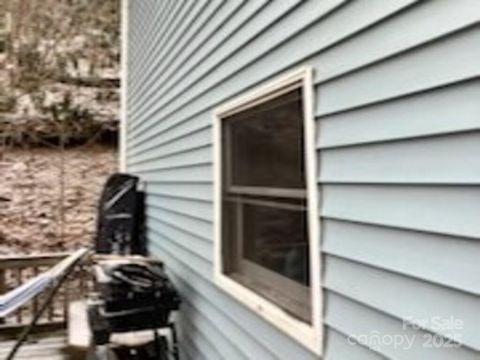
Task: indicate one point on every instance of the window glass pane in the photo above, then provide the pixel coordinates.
(266, 144)
(267, 250)
(276, 238)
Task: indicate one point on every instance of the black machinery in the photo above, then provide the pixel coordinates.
(133, 292)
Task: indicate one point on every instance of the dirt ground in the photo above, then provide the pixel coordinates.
(32, 210)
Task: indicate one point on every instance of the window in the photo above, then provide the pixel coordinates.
(267, 252)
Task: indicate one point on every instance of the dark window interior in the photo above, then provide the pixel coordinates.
(264, 207)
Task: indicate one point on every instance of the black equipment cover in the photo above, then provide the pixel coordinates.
(120, 213)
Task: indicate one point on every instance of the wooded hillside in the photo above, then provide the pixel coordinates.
(60, 65)
(59, 111)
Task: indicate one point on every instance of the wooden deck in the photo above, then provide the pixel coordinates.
(49, 339)
(51, 346)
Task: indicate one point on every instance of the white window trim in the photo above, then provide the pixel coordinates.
(122, 135)
(309, 335)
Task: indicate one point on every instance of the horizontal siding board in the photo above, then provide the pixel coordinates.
(268, 62)
(442, 62)
(161, 246)
(216, 25)
(197, 245)
(432, 26)
(141, 22)
(236, 32)
(185, 267)
(191, 191)
(160, 34)
(186, 349)
(156, 18)
(367, 324)
(282, 57)
(145, 42)
(198, 227)
(405, 298)
(339, 346)
(221, 343)
(220, 321)
(191, 140)
(200, 340)
(179, 60)
(417, 25)
(196, 209)
(240, 45)
(196, 156)
(196, 173)
(254, 26)
(153, 35)
(187, 346)
(439, 209)
(450, 109)
(451, 159)
(192, 16)
(147, 20)
(444, 260)
(170, 130)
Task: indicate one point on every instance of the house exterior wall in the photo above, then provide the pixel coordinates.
(397, 91)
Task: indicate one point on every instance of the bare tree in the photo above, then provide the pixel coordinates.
(58, 81)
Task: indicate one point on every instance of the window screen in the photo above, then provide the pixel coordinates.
(264, 204)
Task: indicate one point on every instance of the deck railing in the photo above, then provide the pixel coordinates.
(15, 270)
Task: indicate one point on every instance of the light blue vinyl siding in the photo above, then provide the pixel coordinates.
(397, 104)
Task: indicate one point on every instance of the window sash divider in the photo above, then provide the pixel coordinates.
(268, 192)
(273, 204)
